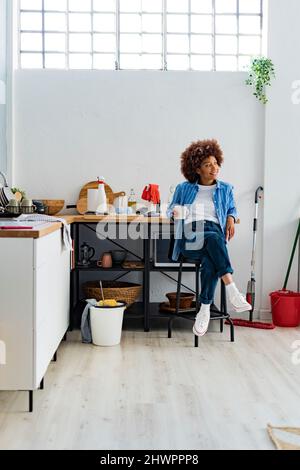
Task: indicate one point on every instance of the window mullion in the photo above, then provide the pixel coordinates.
(164, 19)
(92, 32)
(238, 32)
(214, 33)
(189, 33)
(261, 26)
(43, 33)
(117, 61)
(67, 37)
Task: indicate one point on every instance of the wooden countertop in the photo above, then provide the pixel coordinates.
(37, 232)
(45, 229)
(115, 218)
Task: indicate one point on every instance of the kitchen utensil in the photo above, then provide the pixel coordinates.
(101, 207)
(27, 207)
(118, 256)
(121, 202)
(5, 192)
(86, 254)
(184, 302)
(165, 307)
(54, 206)
(13, 207)
(105, 261)
(40, 206)
(82, 205)
(92, 200)
(82, 200)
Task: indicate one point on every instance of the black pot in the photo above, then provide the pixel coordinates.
(118, 256)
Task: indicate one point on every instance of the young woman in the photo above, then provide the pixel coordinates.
(207, 208)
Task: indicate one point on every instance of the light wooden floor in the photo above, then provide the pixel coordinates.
(152, 392)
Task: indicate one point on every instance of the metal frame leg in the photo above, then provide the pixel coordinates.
(197, 274)
(170, 322)
(42, 384)
(231, 329)
(197, 288)
(146, 278)
(30, 401)
(178, 286)
(171, 319)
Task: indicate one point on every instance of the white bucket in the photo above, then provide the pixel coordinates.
(106, 324)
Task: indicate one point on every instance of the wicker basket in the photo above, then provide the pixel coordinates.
(184, 302)
(125, 291)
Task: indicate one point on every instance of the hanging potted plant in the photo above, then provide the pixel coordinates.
(261, 73)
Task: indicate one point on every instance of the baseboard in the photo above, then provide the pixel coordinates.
(262, 314)
(265, 314)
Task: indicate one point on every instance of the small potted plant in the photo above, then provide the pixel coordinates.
(261, 73)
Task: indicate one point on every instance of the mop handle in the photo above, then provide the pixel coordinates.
(257, 196)
(291, 258)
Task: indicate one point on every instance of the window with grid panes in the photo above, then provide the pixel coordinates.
(140, 34)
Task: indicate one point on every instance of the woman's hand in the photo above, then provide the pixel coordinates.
(229, 228)
(180, 212)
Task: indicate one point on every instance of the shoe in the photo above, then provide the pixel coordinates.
(239, 302)
(201, 323)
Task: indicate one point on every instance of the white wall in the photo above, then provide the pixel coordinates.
(3, 79)
(282, 155)
(131, 127)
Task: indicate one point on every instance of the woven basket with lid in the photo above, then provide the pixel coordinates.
(125, 291)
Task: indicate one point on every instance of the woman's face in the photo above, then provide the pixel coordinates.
(209, 169)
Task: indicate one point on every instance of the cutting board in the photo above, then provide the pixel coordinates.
(82, 201)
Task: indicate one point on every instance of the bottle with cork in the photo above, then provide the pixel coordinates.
(132, 200)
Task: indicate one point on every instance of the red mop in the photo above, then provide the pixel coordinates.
(250, 296)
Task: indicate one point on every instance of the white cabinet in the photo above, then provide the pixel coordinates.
(34, 307)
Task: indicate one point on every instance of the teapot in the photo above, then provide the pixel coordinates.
(86, 254)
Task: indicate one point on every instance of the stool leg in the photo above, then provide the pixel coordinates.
(196, 339)
(223, 305)
(231, 329)
(223, 298)
(30, 401)
(197, 288)
(170, 321)
(178, 286)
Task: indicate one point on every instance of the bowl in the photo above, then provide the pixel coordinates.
(54, 206)
(118, 256)
(185, 301)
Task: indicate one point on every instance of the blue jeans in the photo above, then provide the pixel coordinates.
(213, 257)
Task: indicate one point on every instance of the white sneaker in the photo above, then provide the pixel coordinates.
(239, 302)
(201, 323)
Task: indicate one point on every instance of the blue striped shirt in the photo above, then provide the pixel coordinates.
(186, 193)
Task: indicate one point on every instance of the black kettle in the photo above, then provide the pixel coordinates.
(86, 254)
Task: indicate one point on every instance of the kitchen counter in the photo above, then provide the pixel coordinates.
(46, 228)
(37, 232)
(115, 218)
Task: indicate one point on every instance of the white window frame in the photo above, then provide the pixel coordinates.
(164, 35)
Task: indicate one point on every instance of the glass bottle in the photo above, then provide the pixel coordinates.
(132, 198)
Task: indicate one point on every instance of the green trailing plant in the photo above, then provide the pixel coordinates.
(261, 73)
